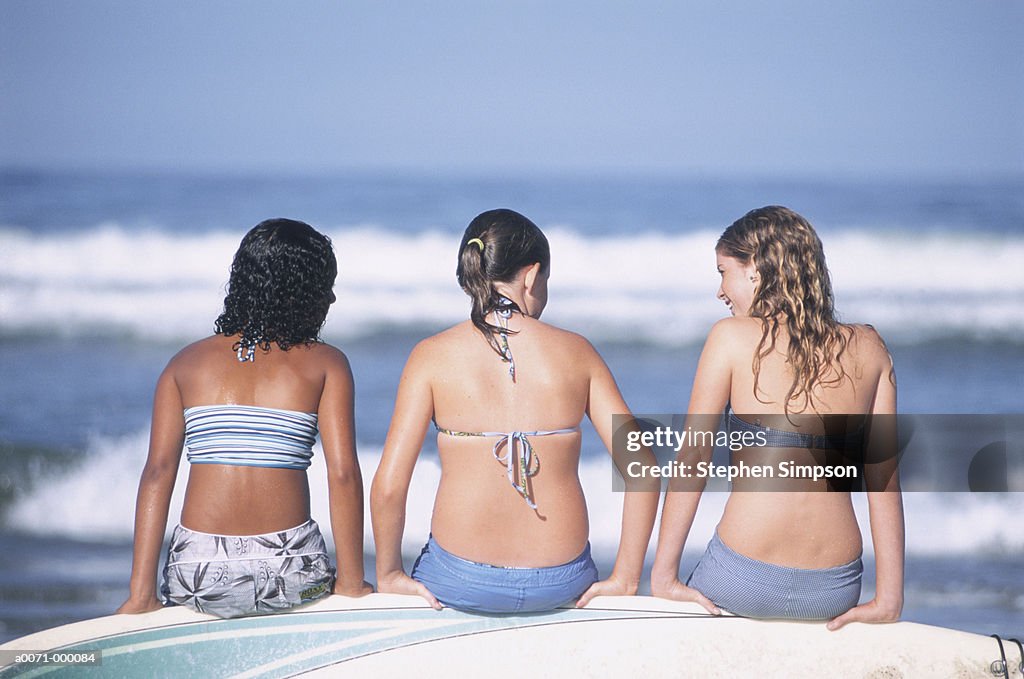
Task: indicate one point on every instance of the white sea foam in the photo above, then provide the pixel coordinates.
(649, 287)
(96, 501)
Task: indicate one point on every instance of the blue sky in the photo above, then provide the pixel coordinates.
(846, 88)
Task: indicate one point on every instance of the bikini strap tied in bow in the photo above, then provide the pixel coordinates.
(519, 459)
(521, 467)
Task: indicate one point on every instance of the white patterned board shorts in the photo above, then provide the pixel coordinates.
(235, 575)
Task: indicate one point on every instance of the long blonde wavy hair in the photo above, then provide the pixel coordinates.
(793, 290)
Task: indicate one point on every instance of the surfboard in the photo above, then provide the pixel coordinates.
(388, 635)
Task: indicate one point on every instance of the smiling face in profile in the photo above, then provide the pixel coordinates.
(738, 283)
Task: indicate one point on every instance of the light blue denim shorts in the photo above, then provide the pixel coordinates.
(483, 588)
(756, 589)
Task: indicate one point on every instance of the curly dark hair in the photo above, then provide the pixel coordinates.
(280, 286)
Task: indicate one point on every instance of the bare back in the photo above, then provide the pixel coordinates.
(799, 529)
(477, 513)
(863, 363)
(240, 500)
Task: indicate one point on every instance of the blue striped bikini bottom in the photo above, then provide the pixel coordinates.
(756, 589)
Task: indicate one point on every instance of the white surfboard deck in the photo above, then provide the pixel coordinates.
(388, 635)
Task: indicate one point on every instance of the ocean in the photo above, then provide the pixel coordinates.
(105, 275)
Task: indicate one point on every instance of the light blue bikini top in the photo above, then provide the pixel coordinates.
(249, 436)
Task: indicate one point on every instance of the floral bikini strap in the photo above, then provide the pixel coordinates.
(502, 313)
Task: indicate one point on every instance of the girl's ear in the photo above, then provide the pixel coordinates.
(532, 272)
(750, 271)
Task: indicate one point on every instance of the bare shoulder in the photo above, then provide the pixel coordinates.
(868, 344)
(450, 340)
(442, 348)
(570, 338)
(867, 333)
(191, 363)
(574, 345)
(734, 333)
(193, 355)
(330, 356)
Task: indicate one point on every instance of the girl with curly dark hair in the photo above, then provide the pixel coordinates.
(827, 389)
(248, 403)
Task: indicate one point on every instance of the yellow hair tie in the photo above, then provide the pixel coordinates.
(477, 241)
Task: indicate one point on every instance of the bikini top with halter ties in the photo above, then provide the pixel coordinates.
(519, 458)
(781, 438)
(250, 436)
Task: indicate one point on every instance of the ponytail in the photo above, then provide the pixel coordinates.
(495, 246)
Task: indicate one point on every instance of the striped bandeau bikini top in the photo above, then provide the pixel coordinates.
(249, 436)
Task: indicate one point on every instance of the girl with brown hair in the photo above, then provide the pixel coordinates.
(506, 393)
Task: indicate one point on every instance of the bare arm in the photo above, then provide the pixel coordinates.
(336, 418)
(710, 393)
(154, 498)
(414, 406)
(640, 505)
(885, 507)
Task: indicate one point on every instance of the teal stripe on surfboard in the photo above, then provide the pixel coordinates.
(282, 645)
(389, 635)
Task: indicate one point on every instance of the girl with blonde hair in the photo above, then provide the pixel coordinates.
(810, 390)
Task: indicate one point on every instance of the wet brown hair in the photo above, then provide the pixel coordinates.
(510, 242)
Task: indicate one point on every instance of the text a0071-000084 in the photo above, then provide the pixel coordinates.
(51, 658)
